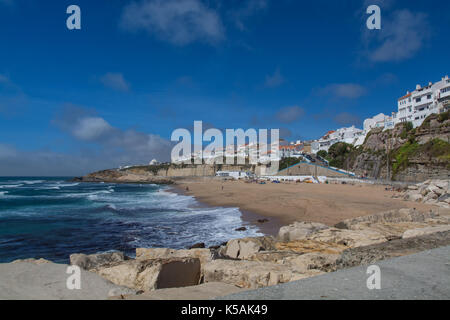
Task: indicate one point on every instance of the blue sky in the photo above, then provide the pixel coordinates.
(73, 101)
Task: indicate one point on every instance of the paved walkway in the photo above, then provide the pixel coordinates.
(424, 275)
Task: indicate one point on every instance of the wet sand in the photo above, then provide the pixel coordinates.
(286, 203)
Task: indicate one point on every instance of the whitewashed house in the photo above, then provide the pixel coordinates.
(416, 106)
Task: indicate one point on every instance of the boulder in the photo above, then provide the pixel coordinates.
(313, 261)
(445, 198)
(33, 261)
(433, 189)
(200, 245)
(204, 255)
(430, 196)
(299, 230)
(417, 197)
(246, 247)
(349, 238)
(252, 274)
(154, 274)
(442, 184)
(309, 246)
(425, 231)
(94, 261)
(392, 216)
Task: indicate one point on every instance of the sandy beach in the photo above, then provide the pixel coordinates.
(286, 203)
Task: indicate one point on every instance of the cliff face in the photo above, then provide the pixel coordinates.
(412, 154)
(160, 174)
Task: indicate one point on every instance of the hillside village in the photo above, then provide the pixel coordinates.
(410, 145)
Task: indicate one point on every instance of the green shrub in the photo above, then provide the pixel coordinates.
(288, 162)
(323, 154)
(443, 116)
(339, 153)
(402, 156)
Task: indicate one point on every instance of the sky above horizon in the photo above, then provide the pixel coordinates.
(111, 94)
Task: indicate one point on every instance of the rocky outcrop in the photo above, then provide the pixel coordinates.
(252, 274)
(154, 274)
(391, 249)
(410, 154)
(299, 230)
(204, 255)
(33, 261)
(349, 238)
(301, 250)
(247, 247)
(123, 176)
(434, 192)
(161, 174)
(332, 236)
(95, 261)
(391, 216)
(424, 231)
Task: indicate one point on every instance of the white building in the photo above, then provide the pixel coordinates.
(351, 135)
(379, 121)
(291, 151)
(415, 106)
(234, 174)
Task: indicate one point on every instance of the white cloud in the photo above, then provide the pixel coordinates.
(180, 22)
(343, 90)
(274, 80)
(115, 81)
(91, 128)
(402, 35)
(137, 147)
(290, 114)
(247, 9)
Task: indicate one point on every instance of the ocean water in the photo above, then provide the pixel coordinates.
(51, 218)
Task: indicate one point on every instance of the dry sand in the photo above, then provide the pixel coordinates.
(286, 203)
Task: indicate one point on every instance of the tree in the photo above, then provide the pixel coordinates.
(322, 153)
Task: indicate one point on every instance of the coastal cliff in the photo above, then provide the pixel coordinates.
(160, 174)
(401, 153)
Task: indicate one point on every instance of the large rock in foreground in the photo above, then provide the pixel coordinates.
(204, 255)
(95, 261)
(252, 274)
(154, 274)
(425, 231)
(392, 216)
(247, 247)
(299, 230)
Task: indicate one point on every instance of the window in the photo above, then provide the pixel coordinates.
(418, 99)
(429, 96)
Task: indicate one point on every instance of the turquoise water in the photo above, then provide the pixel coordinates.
(52, 218)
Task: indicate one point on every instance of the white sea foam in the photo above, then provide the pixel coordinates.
(31, 181)
(62, 185)
(8, 186)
